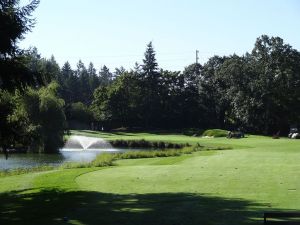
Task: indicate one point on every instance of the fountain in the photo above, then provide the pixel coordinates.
(86, 143)
(85, 149)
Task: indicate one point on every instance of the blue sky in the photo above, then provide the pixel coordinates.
(115, 32)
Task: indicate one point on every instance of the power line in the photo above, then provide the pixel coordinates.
(141, 55)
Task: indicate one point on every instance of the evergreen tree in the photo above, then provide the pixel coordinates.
(15, 23)
(105, 76)
(82, 93)
(150, 78)
(68, 83)
(119, 71)
(150, 66)
(66, 71)
(94, 81)
(50, 70)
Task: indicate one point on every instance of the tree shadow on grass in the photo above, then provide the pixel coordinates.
(85, 207)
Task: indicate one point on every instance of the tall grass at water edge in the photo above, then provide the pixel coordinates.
(107, 159)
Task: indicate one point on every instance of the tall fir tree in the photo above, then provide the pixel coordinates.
(94, 81)
(150, 66)
(105, 76)
(150, 77)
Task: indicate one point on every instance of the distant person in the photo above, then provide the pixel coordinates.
(229, 134)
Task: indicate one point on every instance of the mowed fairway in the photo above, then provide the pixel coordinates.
(211, 187)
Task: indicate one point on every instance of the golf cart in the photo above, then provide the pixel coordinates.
(294, 133)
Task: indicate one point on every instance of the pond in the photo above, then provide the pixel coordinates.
(28, 160)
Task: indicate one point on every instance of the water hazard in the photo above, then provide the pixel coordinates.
(76, 149)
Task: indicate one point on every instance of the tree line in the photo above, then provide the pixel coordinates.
(31, 112)
(258, 92)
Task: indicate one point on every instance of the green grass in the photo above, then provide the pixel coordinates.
(232, 186)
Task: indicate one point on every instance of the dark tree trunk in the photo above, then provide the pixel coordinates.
(5, 152)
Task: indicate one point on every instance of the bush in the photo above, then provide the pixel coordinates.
(72, 165)
(215, 133)
(105, 159)
(146, 154)
(145, 144)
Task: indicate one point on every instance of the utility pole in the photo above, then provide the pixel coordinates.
(197, 58)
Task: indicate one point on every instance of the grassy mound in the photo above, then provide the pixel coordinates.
(215, 133)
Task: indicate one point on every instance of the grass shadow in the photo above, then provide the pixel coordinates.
(86, 207)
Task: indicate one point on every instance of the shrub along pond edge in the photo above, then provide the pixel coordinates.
(120, 143)
(19, 171)
(108, 159)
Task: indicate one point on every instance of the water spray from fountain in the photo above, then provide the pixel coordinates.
(86, 143)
